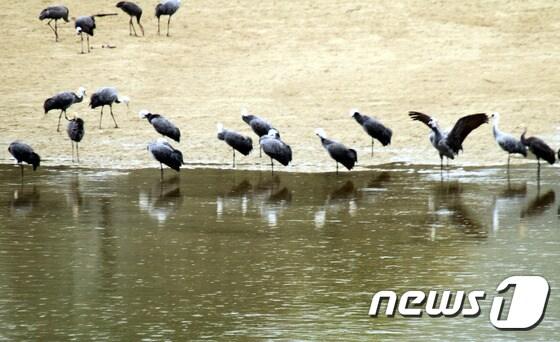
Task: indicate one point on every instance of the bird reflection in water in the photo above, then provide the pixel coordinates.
(269, 197)
(74, 198)
(505, 200)
(343, 198)
(446, 207)
(539, 205)
(162, 200)
(24, 200)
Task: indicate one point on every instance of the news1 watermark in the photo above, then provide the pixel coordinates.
(526, 308)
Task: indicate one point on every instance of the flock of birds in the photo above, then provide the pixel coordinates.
(447, 143)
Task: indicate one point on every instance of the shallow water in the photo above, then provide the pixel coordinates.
(209, 254)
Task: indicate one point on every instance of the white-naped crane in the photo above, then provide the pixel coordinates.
(237, 141)
(507, 142)
(540, 149)
(62, 101)
(276, 149)
(448, 144)
(166, 7)
(134, 11)
(86, 24)
(164, 153)
(373, 127)
(24, 153)
(260, 126)
(161, 125)
(54, 13)
(340, 153)
(106, 97)
(76, 131)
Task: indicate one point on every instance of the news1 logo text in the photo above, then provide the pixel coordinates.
(526, 308)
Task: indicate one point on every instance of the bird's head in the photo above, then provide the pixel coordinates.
(433, 123)
(321, 133)
(78, 30)
(125, 100)
(353, 112)
(81, 92)
(247, 118)
(143, 113)
(273, 133)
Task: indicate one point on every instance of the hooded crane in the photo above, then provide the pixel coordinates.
(54, 13)
(76, 133)
(340, 153)
(450, 143)
(238, 142)
(540, 149)
(161, 125)
(166, 7)
(164, 153)
(276, 149)
(106, 97)
(260, 126)
(506, 141)
(63, 101)
(24, 153)
(134, 11)
(374, 128)
(86, 24)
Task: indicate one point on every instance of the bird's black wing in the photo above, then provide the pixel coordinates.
(464, 127)
(417, 116)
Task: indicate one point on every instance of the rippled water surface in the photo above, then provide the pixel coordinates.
(217, 254)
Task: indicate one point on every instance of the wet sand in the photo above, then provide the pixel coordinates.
(299, 64)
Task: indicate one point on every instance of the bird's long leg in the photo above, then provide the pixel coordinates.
(509, 156)
(21, 167)
(168, 22)
(260, 150)
(141, 27)
(101, 116)
(129, 26)
(538, 169)
(65, 116)
(233, 158)
(158, 26)
(78, 152)
(272, 165)
(87, 36)
(52, 28)
(82, 41)
(59, 117)
(337, 168)
(161, 170)
(56, 29)
(115, 121)
(72, 150)
(441, 162)
(372, 147)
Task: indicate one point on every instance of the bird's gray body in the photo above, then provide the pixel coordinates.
(167, 7)
(62, 101)
(539, 148)
(134, 11)
(448, 144)
(260, 126)
(374, 128)
(104, 97)
(76, 130)
(507, 142)
(275, 148)
(237, 141)
(86, 24)
(164, 153)
(340, 153)
(164, 126)
(55, 13)
(24, 153)
(130, 8)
